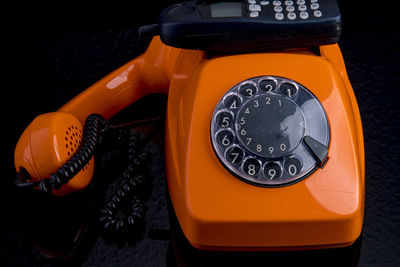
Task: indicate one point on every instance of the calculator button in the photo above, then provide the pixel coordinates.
(278, 9)
(314, 1)
(304, 15)
(288, 3)
(291, 15)
(290, 8)
(254, 7)
(317, 13)
(254, 14)
(279, 16)
(302, 8)
(276, 3)
(251, 1)
(314, 6)
(264, 3)
(301, 2)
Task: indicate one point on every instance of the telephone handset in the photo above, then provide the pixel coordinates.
(269, 118)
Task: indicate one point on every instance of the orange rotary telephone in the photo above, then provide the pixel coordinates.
(263, 146)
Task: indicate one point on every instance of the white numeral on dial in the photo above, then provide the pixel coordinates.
(225, 141)
(236, 155)
(292, 169)
(271, 173)
(251, 169)
(268, 88)
(225, 122)
(233, 105)
(283, 147)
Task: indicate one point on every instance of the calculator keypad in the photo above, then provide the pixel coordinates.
(285, 10)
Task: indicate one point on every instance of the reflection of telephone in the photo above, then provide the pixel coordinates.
(269, 118)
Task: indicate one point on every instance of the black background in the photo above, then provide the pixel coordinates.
(55, 52)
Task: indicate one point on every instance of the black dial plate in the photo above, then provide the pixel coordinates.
(270, 125)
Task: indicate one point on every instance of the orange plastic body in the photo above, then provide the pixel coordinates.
(216, 210)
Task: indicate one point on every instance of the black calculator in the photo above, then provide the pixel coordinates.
(250, 25)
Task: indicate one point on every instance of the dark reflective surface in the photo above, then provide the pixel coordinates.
(52, 65)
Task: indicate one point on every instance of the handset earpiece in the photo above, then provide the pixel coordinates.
(56, 150)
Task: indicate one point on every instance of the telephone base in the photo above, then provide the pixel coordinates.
(184, 254)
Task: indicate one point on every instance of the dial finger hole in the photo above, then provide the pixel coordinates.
(252, 166)
(292, 166)
(225, 138)
(232, 101)
(248, 90)
(234, 155)
(272, 171)
(288, 89)
(224, 119)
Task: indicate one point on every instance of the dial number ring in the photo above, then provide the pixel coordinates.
(258, 127)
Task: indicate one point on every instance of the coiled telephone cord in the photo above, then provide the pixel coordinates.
(125, 197)
(94, 123)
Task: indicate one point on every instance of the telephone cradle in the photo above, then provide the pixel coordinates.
(264, 151)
